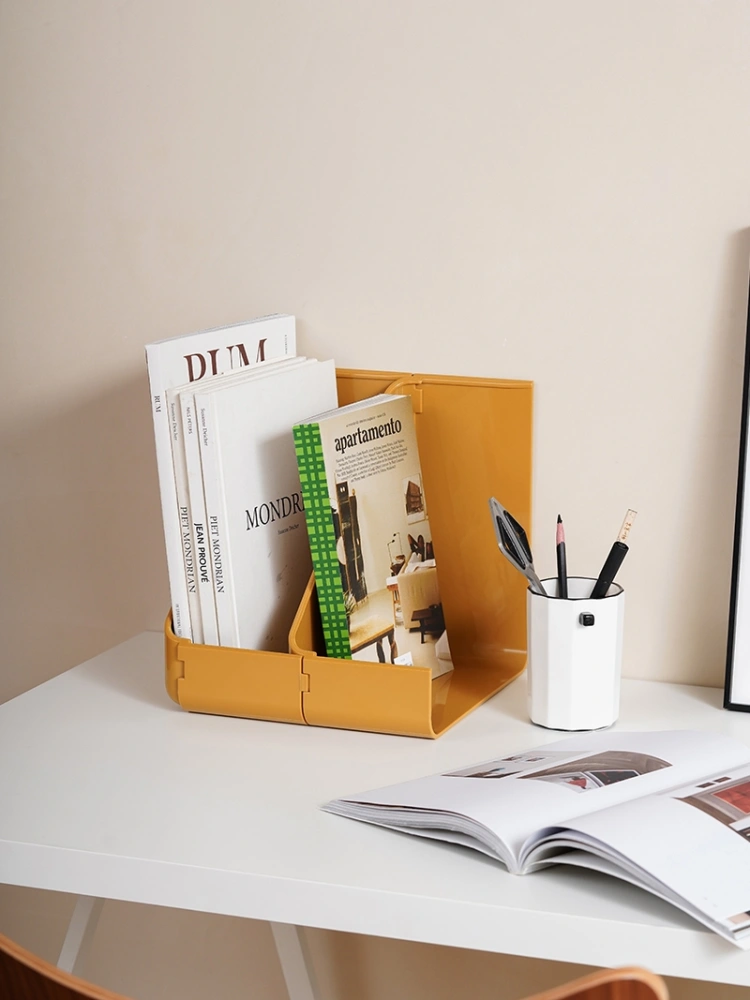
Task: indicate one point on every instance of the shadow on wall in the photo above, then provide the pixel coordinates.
(84, 550)
(710, 493)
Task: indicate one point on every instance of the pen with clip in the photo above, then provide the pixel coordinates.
(614, 560)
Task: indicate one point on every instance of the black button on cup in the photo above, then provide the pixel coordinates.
(586, 618)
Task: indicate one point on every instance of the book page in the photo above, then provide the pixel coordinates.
(693, 841)
(506, 801)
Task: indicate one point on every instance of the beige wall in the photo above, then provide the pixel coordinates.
(543, 189)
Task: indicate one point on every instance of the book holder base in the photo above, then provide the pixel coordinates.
(475, 440)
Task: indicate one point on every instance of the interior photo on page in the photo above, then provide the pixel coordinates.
(666, 810)
(690, 845)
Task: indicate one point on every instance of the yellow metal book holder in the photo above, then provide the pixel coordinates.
(475, 441)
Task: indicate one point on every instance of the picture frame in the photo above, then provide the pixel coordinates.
(737, 674)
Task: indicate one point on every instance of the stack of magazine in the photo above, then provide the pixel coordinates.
(263, 478)
(224, 402)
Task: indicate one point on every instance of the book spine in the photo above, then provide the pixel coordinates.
(198, 522)
(170, 513)
(183, 507)
(216, 520)
(322, 537)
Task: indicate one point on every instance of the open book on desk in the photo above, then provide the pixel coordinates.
(667, 811)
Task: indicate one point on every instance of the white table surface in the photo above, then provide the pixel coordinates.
(109, 789)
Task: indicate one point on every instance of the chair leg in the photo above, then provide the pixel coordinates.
(79, 934)
(294, 957)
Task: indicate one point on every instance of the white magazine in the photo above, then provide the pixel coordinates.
(191, 492)
(187, 535)
(191, 358)
(256, 522)
(667, 811)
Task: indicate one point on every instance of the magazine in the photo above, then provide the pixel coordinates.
(666, 811)
(254, 513)
(370, 538)
(189, 480)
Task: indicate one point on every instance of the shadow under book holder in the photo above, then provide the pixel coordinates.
(475, 441)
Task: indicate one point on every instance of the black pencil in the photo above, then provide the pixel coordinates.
(562, 568)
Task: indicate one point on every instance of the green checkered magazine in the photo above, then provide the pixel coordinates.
(369, 533)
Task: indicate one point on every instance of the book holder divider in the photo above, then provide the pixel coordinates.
(475, 441)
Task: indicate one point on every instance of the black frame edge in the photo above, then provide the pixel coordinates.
(742, 470)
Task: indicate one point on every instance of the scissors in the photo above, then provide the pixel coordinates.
(514, 545)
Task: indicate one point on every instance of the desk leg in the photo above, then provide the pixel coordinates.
(80, 932)
(294, 956)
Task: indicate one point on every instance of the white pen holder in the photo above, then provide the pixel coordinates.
(574, 656)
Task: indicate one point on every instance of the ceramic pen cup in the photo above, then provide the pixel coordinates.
(574, 656)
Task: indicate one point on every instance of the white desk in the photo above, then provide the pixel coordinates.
(109, 790)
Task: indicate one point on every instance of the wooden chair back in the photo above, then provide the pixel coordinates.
(610, 984)
(24, 976)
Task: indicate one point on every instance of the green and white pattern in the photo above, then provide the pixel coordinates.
(322, 537)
